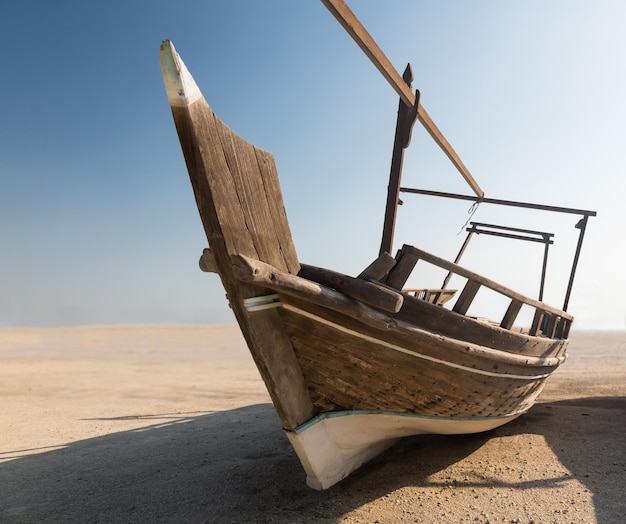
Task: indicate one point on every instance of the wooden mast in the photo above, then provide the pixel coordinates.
(404, 125)
(359, 34)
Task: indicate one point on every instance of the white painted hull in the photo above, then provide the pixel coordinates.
(331, 446)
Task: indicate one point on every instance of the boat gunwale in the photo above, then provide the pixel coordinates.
(271, 278)
(459, 347)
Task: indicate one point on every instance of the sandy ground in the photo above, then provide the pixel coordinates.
(173, 424)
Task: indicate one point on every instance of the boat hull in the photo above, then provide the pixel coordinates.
(333, 445)
(351, 364)
(372, 386)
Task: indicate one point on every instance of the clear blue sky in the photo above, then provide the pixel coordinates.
(97, 218)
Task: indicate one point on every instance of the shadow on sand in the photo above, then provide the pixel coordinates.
(228, 466)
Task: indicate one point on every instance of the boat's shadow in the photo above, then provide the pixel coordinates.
(237, 466)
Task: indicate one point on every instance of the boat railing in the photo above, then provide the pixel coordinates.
(547, 320)
(581, 224)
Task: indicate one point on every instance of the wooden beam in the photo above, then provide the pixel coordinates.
(359, 34)
(261, 274)
(370, 293)
(537, 320)
(378, 269)
(402, 270)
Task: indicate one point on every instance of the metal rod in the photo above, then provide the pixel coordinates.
(543, 270)
(446, 280)
(497, 201)
(514, 237)
(582, 225)
(508, 228)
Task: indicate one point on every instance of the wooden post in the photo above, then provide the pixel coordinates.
(466, 297)
(402, 270)
(404, 125)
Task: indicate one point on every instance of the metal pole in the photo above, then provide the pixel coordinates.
(446, 281)
(582, 225)
(544, 267)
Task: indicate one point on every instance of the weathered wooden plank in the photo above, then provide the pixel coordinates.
(368, 292)
(511, 314)
(230, 187)
(269, 175)
(332, 361)
(378, 269)
(537, 321)
(273, 354)
(253, 200)
(551, 325)
(402, 270)
(259, 273)
(466, 297)
(563, 329)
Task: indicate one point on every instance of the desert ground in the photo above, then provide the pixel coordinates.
(147, 424)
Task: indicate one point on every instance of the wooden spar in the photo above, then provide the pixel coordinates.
(359, 34)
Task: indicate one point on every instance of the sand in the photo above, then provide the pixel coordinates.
(148, 424)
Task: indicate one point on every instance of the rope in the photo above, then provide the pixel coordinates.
(473, 208)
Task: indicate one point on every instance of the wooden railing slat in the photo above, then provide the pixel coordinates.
(511, 314)
(551, 326)
(534, 328)
(378, 269)
(466, 297)
(401, 271)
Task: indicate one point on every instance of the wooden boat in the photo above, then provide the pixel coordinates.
(354, 363)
